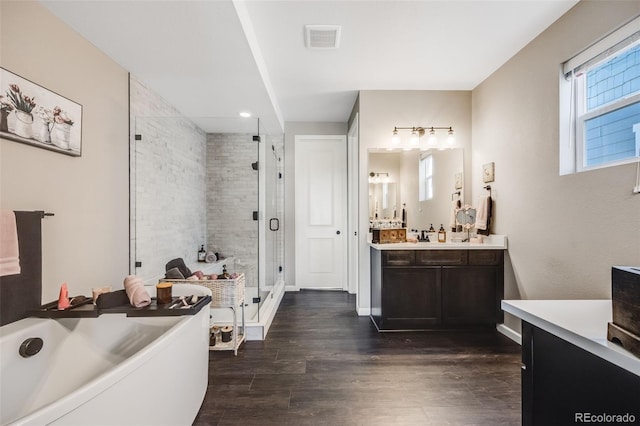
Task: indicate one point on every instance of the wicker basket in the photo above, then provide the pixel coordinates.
(223, 292)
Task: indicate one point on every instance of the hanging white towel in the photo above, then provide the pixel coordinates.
(453, 222)
(482, 214)
(9, 249)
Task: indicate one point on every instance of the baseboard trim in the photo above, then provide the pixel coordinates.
(291, 288)
(510, 333)
(363, 312)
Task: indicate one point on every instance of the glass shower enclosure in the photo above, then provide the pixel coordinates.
(223, 190)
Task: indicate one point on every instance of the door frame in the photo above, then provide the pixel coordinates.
(353, 260)
(342, 138)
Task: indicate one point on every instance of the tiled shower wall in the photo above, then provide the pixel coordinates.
(274, 206)
(232, 197)
(168, 184)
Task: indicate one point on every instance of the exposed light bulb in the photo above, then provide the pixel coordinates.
(395, 139)
(451, 139)
(415, 138)
(433, 139)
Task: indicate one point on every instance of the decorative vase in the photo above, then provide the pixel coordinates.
(24, 124)
(4, 115)
(61, 135)
(41, 130)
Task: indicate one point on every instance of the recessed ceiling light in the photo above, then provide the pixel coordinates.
(245, 114)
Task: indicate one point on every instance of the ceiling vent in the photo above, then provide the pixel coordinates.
(322, 36)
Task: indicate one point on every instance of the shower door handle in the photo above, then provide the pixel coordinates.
(277, 224)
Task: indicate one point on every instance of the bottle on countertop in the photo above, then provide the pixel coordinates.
(431, 228)
(202, 254)
(442, 234)
(404, 215)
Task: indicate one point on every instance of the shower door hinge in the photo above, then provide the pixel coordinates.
(256, 138)
(255, 215)
(138, 264)
(254, 166)
(279, 268)
(138, 137)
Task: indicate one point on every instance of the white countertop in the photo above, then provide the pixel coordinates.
(491, 242)
(580, 322)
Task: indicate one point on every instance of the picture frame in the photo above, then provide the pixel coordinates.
(458, 180)
(34, 115)
(488, 172)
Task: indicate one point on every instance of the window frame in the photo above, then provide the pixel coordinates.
(572, 91)
(425, 181)
(582, 115)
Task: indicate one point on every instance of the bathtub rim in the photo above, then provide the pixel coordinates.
(100, 383)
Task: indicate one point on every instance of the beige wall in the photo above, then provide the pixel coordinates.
(565, 232)
(86, 243)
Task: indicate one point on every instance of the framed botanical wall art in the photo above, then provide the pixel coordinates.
(34, 115)
(488, 172)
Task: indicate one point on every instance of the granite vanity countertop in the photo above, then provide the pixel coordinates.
(580, 322)
(491, 242)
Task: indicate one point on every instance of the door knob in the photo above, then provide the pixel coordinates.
(337, 232)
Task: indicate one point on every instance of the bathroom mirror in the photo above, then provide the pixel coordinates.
(384, 200)
(402, 169)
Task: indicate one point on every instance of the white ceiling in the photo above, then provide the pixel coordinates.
(212, 59)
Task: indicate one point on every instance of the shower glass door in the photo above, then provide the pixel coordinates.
(272, 229)
(223, 190)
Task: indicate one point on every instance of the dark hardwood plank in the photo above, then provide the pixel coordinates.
(321, 364)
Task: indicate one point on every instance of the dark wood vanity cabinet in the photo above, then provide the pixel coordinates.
(563, 383)
(423, 289)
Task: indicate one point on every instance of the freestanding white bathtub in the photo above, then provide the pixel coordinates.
(110, 370)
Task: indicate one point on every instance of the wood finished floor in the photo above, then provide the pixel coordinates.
(321, 364)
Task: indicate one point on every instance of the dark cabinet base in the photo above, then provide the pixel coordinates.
(563, 384)
(411, 306)
(436, 289)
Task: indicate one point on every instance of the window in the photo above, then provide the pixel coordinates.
(603, 102)
(425, 174)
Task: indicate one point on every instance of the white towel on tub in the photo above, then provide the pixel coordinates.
(9, 249)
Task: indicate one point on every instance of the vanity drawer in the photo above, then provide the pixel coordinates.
(486, 257)
(398, 258)
(441, 257)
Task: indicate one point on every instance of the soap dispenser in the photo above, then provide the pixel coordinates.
(442, 234)
(202, 254)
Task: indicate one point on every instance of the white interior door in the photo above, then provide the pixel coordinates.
(320, 211)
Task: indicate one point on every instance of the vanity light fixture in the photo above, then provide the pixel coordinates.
(375, 177)
(418, 131)
(245, 114)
